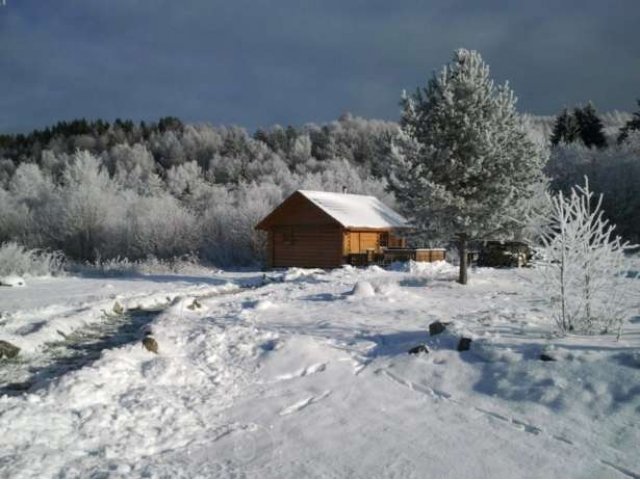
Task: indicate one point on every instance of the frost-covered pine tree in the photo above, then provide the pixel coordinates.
(465, 164)
(582, 265)
(565, 129)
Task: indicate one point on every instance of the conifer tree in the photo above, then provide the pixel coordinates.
(590, 127)
(631, 125)
(464, 163)
(566, 129)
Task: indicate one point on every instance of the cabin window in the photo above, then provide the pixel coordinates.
(384, 239)
(396, 242)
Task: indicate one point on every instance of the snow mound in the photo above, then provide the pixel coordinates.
(375, 269)
(12, 281)
(296, 357)
(301, 274)
(259, 305)
(263, 305)
(430, 268)
(363, 289)
(490, 352)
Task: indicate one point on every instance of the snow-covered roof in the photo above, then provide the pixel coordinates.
(356, 211)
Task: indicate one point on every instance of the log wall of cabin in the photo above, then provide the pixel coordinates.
(298, 211)
(430, 255)
(396, 242)
(312, 246)
(362, 240)
(302, 235)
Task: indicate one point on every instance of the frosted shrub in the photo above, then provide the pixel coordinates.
(122, 266)
(17, 260)
(229, 236)
(582, 265)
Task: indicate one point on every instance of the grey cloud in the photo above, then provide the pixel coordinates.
(261, 62)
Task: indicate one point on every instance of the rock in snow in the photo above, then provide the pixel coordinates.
(436, 327)
(464, 344)
(418, 349)
(195, 305)
(12, 281)
(8, 350)
(150, 344)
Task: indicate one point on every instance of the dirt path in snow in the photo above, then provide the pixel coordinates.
(80, 348)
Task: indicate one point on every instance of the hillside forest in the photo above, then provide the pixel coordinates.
(98, 190)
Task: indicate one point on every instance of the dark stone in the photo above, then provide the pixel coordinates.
(8, 350)
(18, 386)
(436, 328)
(546, 358)
(464, 344)
(269, 345)
(418, 349)
(150, 344)
(195, 305)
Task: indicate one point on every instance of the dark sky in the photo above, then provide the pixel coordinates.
(256, 63)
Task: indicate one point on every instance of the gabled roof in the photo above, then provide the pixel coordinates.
(354, 211)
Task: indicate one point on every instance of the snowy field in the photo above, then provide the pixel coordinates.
(306, 375)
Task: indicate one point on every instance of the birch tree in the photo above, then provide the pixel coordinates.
(582, 265)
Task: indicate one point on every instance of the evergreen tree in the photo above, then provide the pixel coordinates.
(631, 125)
(465, 164)
(590, 127)
(566, 129)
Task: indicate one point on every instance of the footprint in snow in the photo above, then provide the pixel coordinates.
(621, 469)
(520, 425)
(315, 368)
(296, 407)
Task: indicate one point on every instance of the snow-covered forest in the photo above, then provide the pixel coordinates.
(97, 190)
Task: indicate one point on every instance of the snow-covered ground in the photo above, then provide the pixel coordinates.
(309, 376)
(50, 308)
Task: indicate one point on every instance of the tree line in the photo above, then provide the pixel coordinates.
(100, 190)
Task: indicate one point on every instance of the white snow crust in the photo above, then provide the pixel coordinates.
(356, 211)
(300, 378)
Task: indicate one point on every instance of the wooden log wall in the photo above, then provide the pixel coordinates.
(307, 247)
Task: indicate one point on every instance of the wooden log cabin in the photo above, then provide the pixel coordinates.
(327, 230)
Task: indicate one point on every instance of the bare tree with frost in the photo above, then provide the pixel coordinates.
(582, 264)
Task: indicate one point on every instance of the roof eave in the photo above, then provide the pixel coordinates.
(390, 227)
